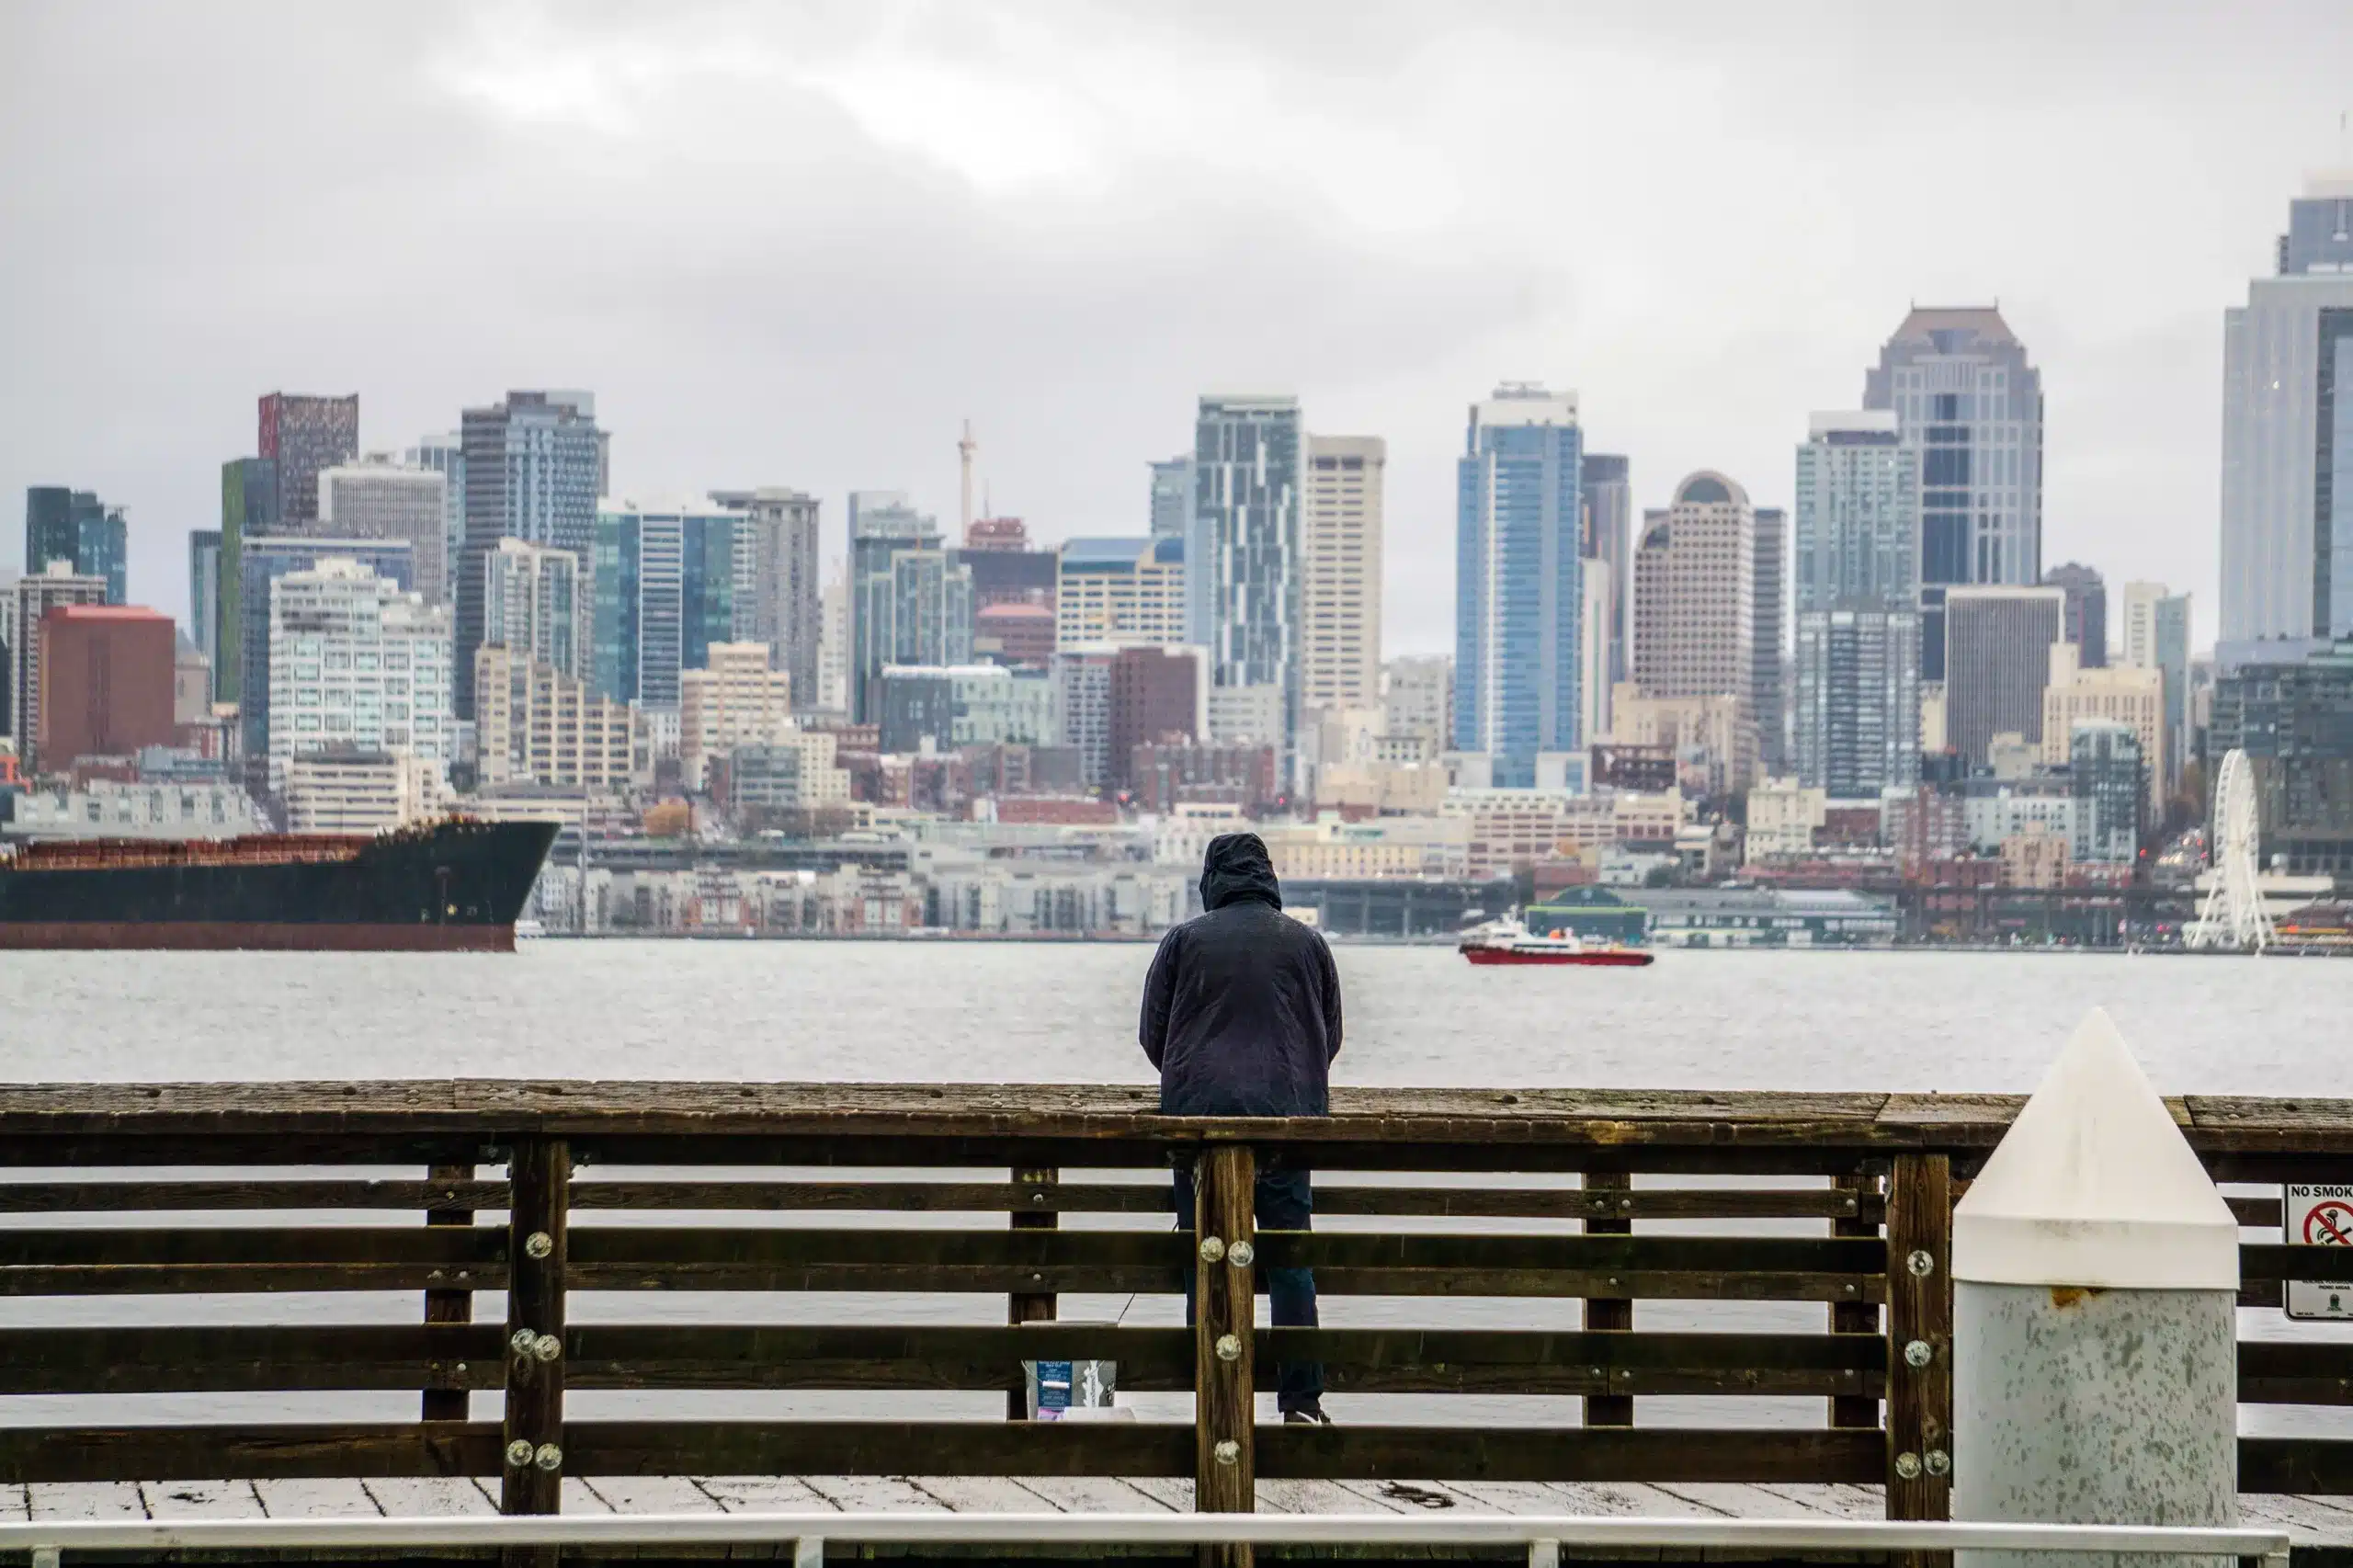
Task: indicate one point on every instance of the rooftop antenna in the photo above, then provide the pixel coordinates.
(964, 450)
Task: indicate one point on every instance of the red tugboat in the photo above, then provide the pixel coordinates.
(1509, 941)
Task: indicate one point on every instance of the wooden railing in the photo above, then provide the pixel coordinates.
(594, 1201)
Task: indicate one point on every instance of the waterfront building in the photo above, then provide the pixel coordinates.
(535, 723)
(1967, 399)
(534, 471)
(2156, 637)
(2294, 720)
(1712, 738)
(664, 579)
(933, 708)
(31, 598)
(535, 602)
(76, 528)
(1994, 811)
(356, 663)
(1128, 591)
(444, 454)
(204, 591)
(1783, 818)
(1519, 687)
(353, 789)
(1768, 637)
(911, 597)
(2123, 694)
(1172, 497)
(777, 581)
(1606, 494)
(2108, 771)
(1997, 664)
(1246, 546)
(736, 699)
(1695, 594)
(794, 772)
(377, 498)
(2086, 611)
(261, 562)
(107, 808)
(2286, 504)
(248, 510)
(1857, 727)
(302, 436)
(1340, 550)
(105, 682)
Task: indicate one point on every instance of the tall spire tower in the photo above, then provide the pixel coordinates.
(964, 450)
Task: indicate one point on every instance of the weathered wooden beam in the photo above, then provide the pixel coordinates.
(1029, 1211)
(62, 1246)
(1919, 1345)
(244, 1451)
(532, 1433)
(163, 1197)
(172, 1360)
(1604, 1453)
(880, 1448)
(2321, 1465)
(1611, 1198)
(1225, 1187)
(446, 1398)
(1858, 1318)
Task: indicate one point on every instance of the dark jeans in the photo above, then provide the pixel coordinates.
(1284, 1201)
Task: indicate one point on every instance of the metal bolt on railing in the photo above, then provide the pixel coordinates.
(1240, 1255)
(1229, 1347)
(539, 1243)
(1212, 1249)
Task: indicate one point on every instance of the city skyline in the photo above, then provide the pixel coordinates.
(1071, 330)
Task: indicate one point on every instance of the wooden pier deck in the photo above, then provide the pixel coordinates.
(155, 1199)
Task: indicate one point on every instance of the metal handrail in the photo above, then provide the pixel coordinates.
(1544, 1536)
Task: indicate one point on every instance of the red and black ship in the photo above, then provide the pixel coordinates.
(451, 886)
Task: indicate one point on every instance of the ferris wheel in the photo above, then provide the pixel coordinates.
(2234, 914)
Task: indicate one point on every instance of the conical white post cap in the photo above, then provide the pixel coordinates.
(2093, 1185)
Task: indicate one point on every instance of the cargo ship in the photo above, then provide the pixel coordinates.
(1507, 941)
(449, 886)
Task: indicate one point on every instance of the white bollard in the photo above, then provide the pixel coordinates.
(2095, 1275)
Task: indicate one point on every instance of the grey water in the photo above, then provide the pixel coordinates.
(1017, 1012)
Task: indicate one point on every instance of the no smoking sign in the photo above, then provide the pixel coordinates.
(2323, 1216)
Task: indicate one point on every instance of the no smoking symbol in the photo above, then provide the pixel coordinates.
(2329, 1224)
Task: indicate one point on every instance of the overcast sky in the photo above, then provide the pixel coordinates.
(796, 245)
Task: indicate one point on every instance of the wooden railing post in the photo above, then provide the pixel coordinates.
(1606, 1314)
(1854, 1317)
(447, 1399)
(1919, 1341)
(1225, 1462)
(538, 1206)
(1029, 1306)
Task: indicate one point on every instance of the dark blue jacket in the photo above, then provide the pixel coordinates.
(1242, 1009)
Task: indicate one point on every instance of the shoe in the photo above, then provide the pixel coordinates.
(1307, 1415)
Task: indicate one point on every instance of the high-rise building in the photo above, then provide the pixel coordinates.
(2107, 773)
(1158, 697)
(1129, 591)
(1246, 541)
(662, 575)
(356, 663)
(945, 708)
(1998, 664)
(1005, 571)
(1518, 589)
(534, 469)
(76, 528)
(261, 562)
(2294, 720)
(303, 436)
(1768, 638)
(777, 582)
(444, 454)
(997, 535)
(1593, 625)
(2123, 695)
(378, 498)
(533, 723)
(1695, 594)
(1172, 497)
(1340, 548)
(1857, 729)
(248, 510)
(1967, 399)
(535, 601)
(2156, 637)
(2288, 436)
(1418, 694)
(1607, 498)
(911, 597)
(105, 682)
(34, 595)
(2087, 626)
(204, 592)
(736, 699)
(833, 644)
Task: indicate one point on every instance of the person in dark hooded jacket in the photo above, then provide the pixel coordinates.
(1242, 1018)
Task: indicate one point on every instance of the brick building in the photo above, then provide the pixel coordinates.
(107, 682)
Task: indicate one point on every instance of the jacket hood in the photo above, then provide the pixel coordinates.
(1237, 867)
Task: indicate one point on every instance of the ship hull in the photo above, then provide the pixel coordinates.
(452, 887)
(1613, 960)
